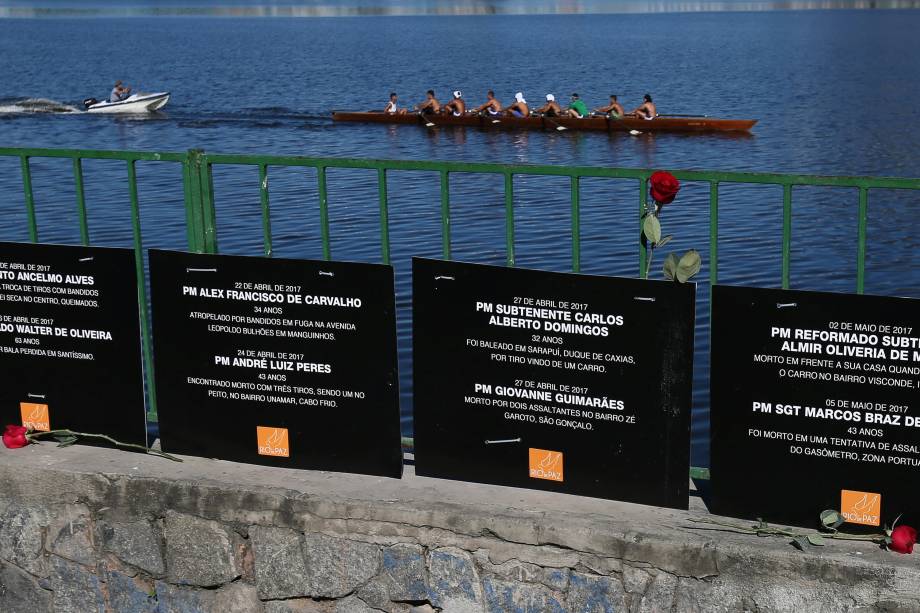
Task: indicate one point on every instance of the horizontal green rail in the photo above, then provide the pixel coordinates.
(201, 212)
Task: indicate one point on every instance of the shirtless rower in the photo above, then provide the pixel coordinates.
(551, 108)
(614, 109)
(392, 108)
(646, 110)
(519, 108)
(456, 106)
(491, 105)
(430, 105)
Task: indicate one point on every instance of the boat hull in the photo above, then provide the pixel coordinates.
(138, 103)
(597, 124)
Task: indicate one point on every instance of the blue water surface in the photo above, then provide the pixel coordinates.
(835, 92)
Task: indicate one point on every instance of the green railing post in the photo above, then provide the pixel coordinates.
(81, 201)
(209, 213)
(266, 212)
(576, 225)
(323, 211)
(713, 233)
(643, 204)
(509, 219)
(787, 232)
(194, 214)
(384, 215)
(445, 214)
(142, 287)
(863, 218)
(30, 199)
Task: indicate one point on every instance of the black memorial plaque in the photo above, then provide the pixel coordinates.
(70, 354)
(815, 406)
(279, 362)
(562, 382)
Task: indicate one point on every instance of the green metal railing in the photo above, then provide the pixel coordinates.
(201, 218)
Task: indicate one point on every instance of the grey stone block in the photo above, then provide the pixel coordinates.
(404, 573)
(299, 605)
(353, 604)
(403, 580)
(135, 543)
(280, 568)
(20, 592)
(129, 595)
(659, 594)
(175, 599)
(594, 594)
(337, 566)
(556, 578)
(70, 534)
(516, 597)
(237, 597)
(453, 580)
(76, 590)
(198, 552)
(22, 539)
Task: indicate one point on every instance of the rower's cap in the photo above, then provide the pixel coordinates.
(519, 97)
(550, 97)
(574, 95)
(118, 82)
(457, 93)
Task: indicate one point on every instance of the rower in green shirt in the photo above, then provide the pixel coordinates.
(577, 109)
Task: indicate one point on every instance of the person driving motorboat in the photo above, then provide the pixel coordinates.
(119, 92)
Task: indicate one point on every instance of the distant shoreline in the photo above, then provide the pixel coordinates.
(413, 8)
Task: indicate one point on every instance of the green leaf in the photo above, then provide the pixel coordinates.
(831, 519)
(664, 240)
(816, 539)
(670, 266)
(651, 227)
(689, 265)
(800, 543)
(65, 440)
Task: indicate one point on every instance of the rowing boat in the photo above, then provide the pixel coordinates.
(596, 123)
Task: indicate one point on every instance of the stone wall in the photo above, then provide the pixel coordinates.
(85, 529)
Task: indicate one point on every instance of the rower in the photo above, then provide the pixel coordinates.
(456, 106)
(577, 109)
(119, 92)
(551, 108)
(519, 108)
(646, 110)
(430, 105)
(491, 105)
(614, 109)
(391, 107)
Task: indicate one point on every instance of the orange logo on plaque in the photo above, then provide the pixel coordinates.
(273, 441)
(861, 507)
(35, 416)
(545, 464)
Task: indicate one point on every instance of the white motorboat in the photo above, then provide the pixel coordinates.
(135, 103)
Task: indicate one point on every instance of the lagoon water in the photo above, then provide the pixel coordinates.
(835, 91)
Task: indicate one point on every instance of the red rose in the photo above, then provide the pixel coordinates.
(15, 437)
(664, 187)
(902, 539)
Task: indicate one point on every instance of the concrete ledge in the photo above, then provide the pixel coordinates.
(87, 529)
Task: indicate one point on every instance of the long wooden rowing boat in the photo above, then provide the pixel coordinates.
(625, 124)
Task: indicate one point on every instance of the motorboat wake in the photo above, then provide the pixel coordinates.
(35, 105)
(135, 103)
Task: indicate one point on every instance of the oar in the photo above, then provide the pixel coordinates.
(558, 127)
(429, 123)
